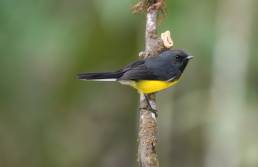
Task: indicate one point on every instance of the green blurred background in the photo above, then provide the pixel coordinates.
(50, 119)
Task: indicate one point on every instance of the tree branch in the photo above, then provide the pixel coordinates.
(147, 137)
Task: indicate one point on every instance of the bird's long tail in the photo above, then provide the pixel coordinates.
(101, 76)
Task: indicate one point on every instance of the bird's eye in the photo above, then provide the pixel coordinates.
(178, 58)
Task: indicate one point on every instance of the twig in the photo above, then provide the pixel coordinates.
(147, 137)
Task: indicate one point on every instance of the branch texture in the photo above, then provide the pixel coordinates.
(147, 137)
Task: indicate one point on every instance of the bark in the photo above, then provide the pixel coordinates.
(147, 137)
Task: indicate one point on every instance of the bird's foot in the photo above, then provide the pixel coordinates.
(150, 108)
(155, 112)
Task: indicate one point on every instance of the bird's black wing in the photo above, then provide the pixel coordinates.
(133, 65)
(138, 71)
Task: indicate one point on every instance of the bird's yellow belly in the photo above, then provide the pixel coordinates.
(151, 86)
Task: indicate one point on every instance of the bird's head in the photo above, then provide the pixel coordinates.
(176, 57)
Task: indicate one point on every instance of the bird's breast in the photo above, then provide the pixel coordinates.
(151, 86)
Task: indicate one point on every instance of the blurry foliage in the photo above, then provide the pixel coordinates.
(48, 118)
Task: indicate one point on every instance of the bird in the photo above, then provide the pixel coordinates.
(147, 76)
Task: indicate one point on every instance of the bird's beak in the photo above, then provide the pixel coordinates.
(189, 57)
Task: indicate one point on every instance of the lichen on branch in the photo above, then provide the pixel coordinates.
(146, 5)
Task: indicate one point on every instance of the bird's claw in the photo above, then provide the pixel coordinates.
(155, 112)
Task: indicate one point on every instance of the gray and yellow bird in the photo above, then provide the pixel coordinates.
(151, 75)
